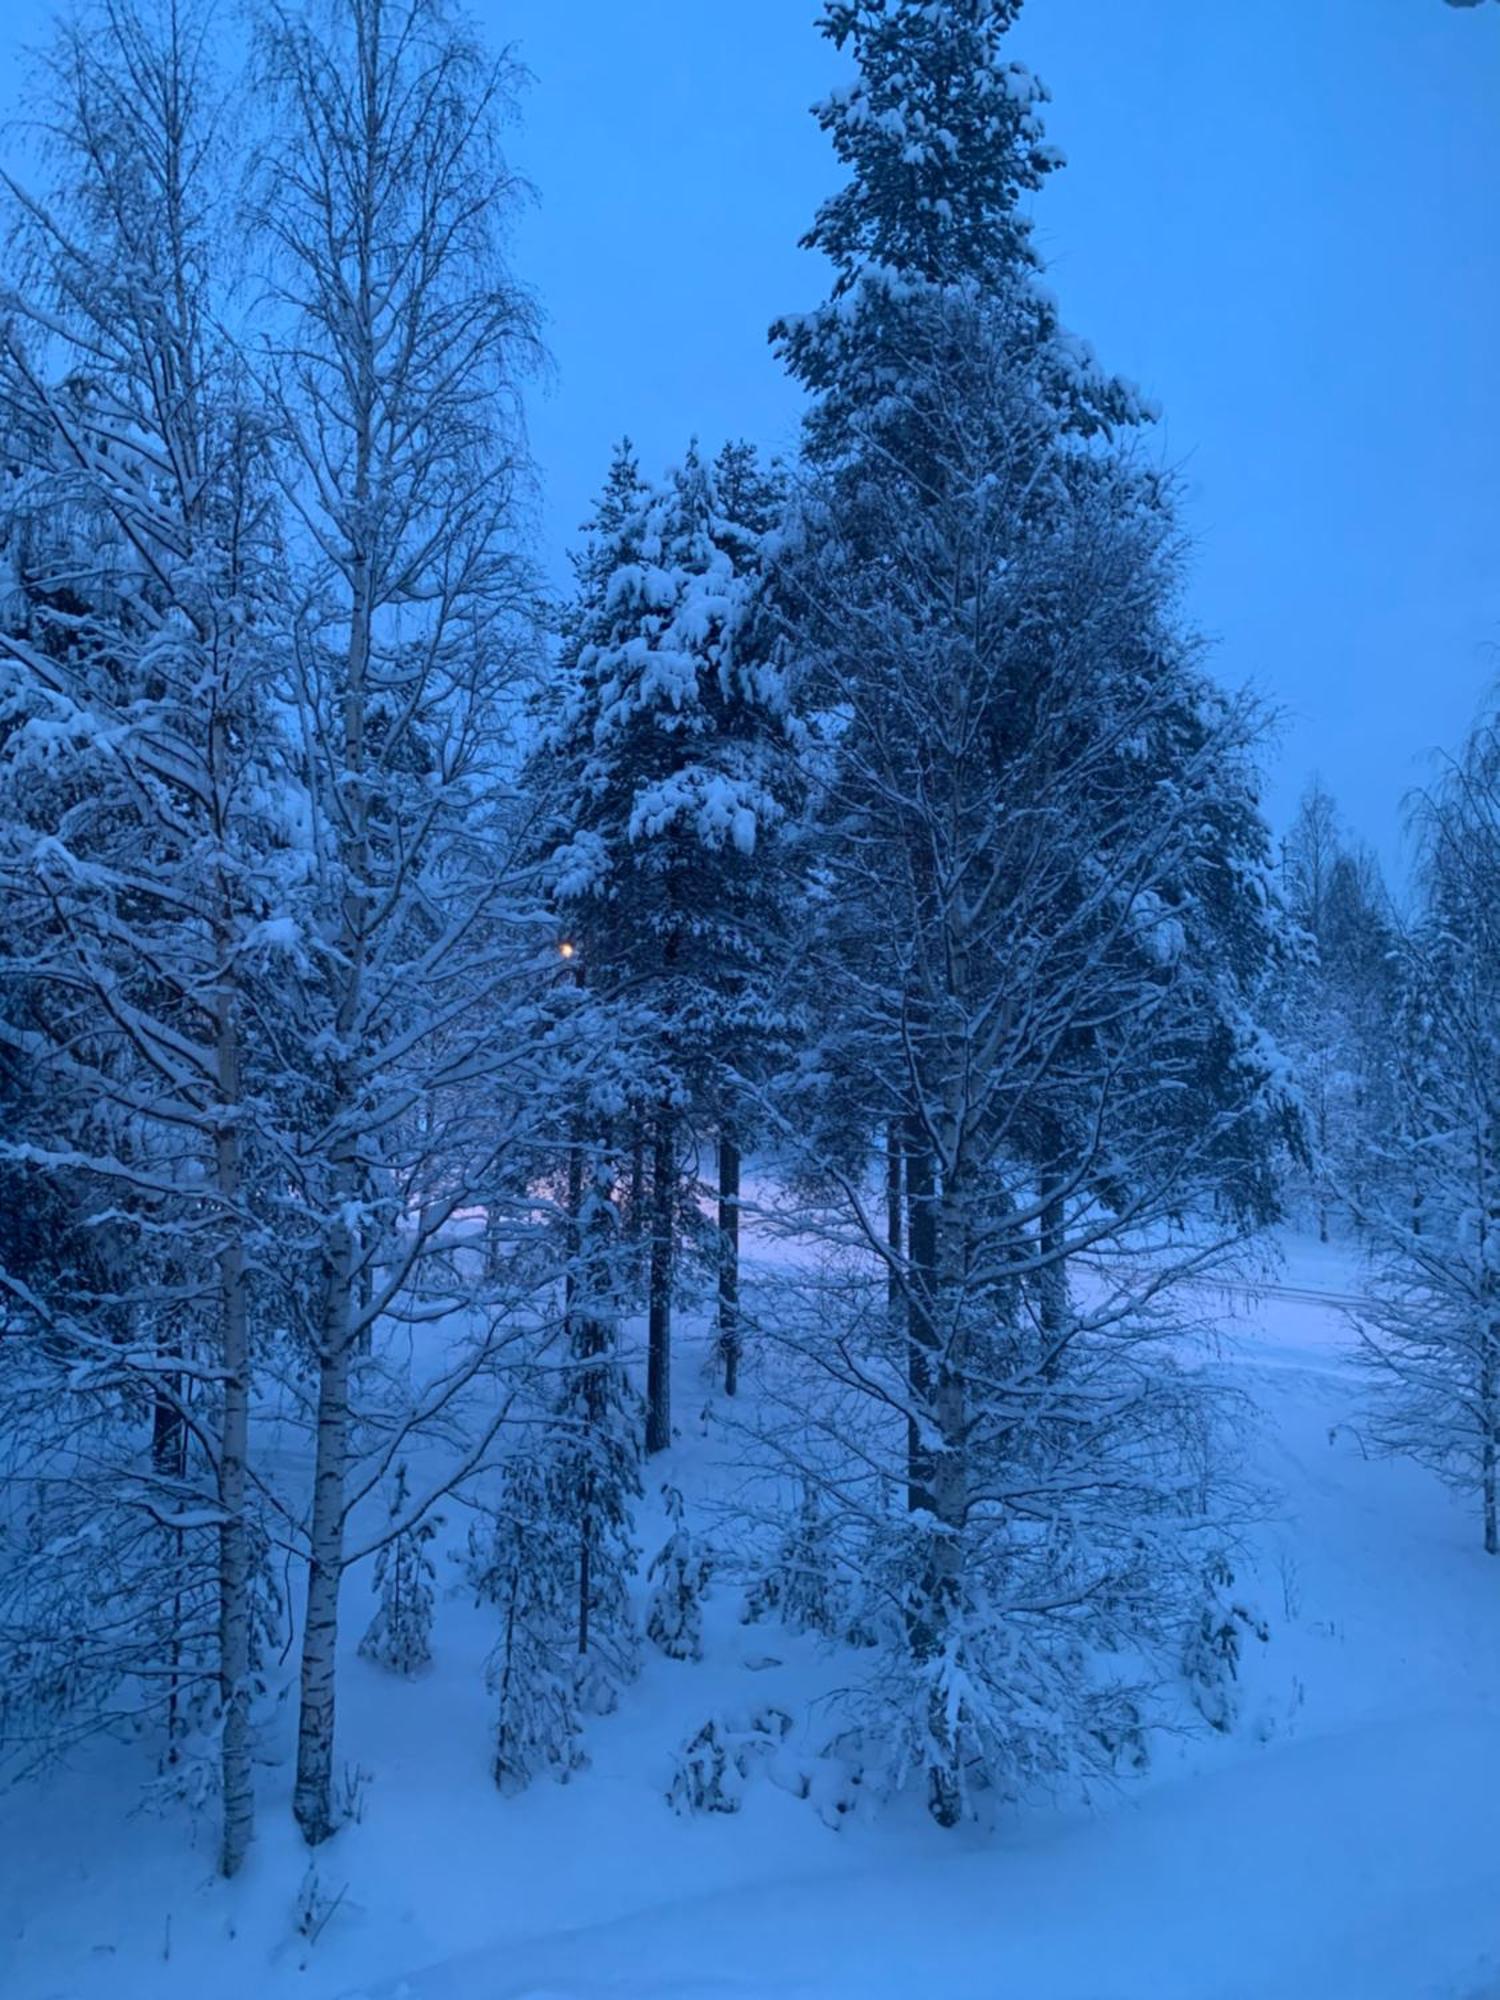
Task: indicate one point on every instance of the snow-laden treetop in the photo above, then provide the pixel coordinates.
(942, 136)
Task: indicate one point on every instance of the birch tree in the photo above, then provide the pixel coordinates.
(141, 851)
(399, 335)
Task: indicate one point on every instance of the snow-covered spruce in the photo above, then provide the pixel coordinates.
(557, 1557)
(399, 1636)
(519, 1563)
(801, 1585)
(1042, 913)
(670, 777)
(718, 1761)
(1331, 1004)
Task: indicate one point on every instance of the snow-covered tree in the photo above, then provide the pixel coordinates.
(400, 1634)
(526, 1569)
(1216, 1644)
(1333, 1000)
(396, 334)
(673, 784)
(679, 1576)
(1045, 904)
(1432, 1334)
(596, 1447)
(144, 857)
(801, 1584)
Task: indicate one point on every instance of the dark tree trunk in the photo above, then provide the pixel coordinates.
(635, 1194)
(921, 1334)
(1489, 1472)
(659, 1336)
(1052, 1276)
(591, 1330)
(729, 1259)
(574, 1226)
(895, 1234)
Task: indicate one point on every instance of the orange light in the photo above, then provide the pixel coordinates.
(567, 949)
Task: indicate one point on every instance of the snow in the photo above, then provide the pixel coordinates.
(1343, 1843)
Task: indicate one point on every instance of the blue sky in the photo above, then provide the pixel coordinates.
(1282, 219)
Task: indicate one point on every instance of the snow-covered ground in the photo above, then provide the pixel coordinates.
(1343, 1844)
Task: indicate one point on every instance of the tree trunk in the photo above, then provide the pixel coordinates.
(593, 1342)
(635, 1198)
(729, 1259)
(943, 1585)
(894, 1233)
(312, 1799)
(234, 1448)
(169, 1439)
(312, 1796)
(635, 1205)
(659, 1337)
(1489, 1470)
(574, 1225)
(1322, 1170)
(921, 1334)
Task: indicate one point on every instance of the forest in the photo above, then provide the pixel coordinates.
(677, 1162)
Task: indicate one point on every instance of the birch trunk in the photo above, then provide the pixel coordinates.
(312, 1799)
(234, 1447)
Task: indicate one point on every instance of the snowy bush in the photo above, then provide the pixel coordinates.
(716, 1764)
(802, 1583)
(1211, 1658)
(679, 1572)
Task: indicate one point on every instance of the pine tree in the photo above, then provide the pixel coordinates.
(593, 1449)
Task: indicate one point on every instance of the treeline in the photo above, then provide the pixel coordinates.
(387, 951)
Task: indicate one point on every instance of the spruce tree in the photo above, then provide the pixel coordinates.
(672, 754)
(1046, 913)
(399, 1636)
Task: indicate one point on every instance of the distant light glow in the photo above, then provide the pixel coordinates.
(567, 949)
